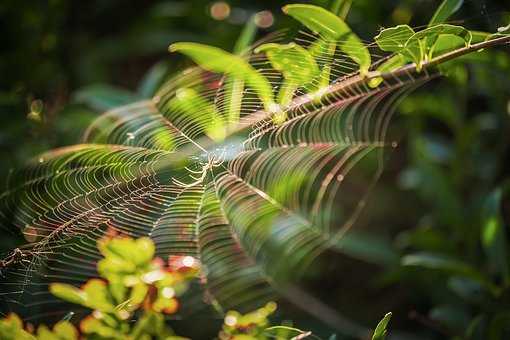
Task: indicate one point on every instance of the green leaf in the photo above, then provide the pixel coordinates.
(341, 7)
(69, 293)
(369, 248)
(234, 87)
(394, 39)
(97, 295)
(152, 80)
(103, 97)
(200, 111)
(330, 26)
(447, 265)
(380, 330)
(494, 236)
(63, 330)
(247, 36)
(389, 65)
(11, 328)
(414, 46)
(295, 63)
(432, 33)
(217, 60)
(444, 11)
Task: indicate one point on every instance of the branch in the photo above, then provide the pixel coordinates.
(350, 82)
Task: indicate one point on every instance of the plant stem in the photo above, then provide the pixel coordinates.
(352, 81)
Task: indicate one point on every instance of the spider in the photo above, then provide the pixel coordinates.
(212, 162)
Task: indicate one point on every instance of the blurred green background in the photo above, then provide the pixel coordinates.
(432, 244)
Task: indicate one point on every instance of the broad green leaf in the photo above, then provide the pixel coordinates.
(217, 60)
(403, 40)
(432, 33)
(330, 26)
(494, 236)
(381, 329)
(395, 38)
(444, 11)
(446, 43)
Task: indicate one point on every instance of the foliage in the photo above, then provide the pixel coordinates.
(133, 280)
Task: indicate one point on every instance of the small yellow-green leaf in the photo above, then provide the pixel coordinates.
(98, 296)
(330, 26)
(444, 11)
(65, 330)
(69, 293)
(380, 330)
(217, 60)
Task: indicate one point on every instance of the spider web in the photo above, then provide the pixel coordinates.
(256, 208)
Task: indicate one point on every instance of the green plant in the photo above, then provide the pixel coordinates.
(175, 165)
(134, 283)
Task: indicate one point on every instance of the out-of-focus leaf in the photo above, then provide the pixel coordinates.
(102, 97)
(499, 326)
(11, 328)
(217, 60)
(69, 293)
(494, 235)
(452, 316)
(444, 11)
(368, 248)
(234, 87)
(97, 294)
(381, 329)
(447, 265)
(63, 330)
(332, 27)
(466, 288)
(341, 7)
(247, 36)
(92, 325)
(152, 80)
